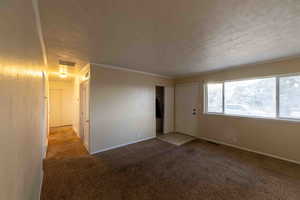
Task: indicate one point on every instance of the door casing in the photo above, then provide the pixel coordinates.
(84, 114)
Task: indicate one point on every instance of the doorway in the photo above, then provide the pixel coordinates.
(55, 107)
(84, 113)
(61, 104)
(159, 109)
(186, 106)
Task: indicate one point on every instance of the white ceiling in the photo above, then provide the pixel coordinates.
(171, 37)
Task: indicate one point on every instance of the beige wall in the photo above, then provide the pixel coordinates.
(68, 100)
(21, 134)
(275, 137)
(21, 102)
(46, 114)
(122, 106)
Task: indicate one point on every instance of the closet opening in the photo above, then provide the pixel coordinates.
(159, 109)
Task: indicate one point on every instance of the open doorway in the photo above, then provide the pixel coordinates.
(61, 105)
(63, 140)
(68, 115)
(159, 109)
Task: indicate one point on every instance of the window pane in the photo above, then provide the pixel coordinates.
(215, 97)
(255, 97)
(289, 97)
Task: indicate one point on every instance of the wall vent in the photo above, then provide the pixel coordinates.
(66, 63)
(214, 143)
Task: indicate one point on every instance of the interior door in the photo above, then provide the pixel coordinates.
(55, 108)
(84, 114)
(186, 106)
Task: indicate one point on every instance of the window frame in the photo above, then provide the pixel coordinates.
(277, 115)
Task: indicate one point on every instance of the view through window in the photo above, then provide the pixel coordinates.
(215, 97)
(256, 97)
(251, 97)
(289, 97)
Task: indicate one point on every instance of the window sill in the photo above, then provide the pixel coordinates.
(254, 117)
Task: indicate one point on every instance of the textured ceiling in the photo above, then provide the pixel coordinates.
(171, 37)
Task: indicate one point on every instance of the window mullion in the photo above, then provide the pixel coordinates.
(205, 98)
(223, 97)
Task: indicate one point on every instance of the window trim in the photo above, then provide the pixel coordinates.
(277, 116)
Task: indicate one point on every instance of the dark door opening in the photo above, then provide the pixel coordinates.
(159, 104)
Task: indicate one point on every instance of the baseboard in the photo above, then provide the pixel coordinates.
(61, 126)
(250, 150)
(45, 148)
(207, 139)
(75, 131)
(122, 145)
(41, 183)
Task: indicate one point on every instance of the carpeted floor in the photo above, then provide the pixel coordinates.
(156, 170)
(64, 143)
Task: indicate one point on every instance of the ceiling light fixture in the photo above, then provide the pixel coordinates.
(63, 71)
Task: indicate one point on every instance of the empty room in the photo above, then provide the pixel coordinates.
(150, 100)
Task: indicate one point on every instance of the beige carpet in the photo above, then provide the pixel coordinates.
(157, 170)
(176, 138)
(64, 143)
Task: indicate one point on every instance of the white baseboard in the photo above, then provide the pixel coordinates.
(207, 139)
(76, 132)
(41, 183)
(60, 126)
(122, 145)
(45, 148)
(250, 150)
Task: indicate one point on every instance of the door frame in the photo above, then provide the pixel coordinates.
(83, 84)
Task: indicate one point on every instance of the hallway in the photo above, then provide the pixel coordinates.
(64, 143)
(66, 157)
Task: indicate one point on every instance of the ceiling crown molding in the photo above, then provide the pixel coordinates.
(35, 5)
(130, 70)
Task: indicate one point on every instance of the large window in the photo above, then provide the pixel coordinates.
(289, 106)
(251, 97)
(215, 98)
(273, 97)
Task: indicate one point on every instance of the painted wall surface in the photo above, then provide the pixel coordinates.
(46, 114)
(21, 102)
(122, 106)
(67, 101)
(21, 131)
(276, 137)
